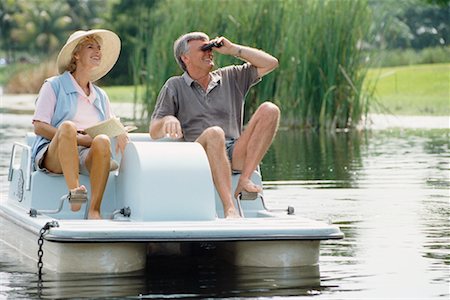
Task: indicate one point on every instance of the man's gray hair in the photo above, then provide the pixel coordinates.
(180, 46)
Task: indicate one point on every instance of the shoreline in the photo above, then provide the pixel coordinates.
(24, 104)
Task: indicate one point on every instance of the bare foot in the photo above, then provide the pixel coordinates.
(231, 213)
(246, 185)
(77, 206)
(94, 215)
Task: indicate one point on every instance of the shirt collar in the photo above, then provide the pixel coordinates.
(68, 83)
(92, 94)
(215, 77)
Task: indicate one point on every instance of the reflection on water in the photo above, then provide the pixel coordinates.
(387, 190)
(318, 156)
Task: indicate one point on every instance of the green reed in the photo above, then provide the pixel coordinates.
(322, 67)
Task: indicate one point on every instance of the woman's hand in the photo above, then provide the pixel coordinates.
(121, 142)
(84, 140)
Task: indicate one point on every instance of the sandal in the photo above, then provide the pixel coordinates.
(77, 196)
(113, 165)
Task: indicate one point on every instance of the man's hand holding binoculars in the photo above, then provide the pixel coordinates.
(223, 46)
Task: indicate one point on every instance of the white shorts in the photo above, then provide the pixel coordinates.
(82, 155)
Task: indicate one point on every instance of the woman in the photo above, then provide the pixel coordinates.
(69, 103)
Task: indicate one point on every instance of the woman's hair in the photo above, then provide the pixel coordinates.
(180, 46)
(72, 66)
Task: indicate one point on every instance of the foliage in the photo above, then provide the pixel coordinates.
(413, 24)
(28, 78)
(317, 43)
(125, 18)
(42, 27)
(404, 57)
(442, 3)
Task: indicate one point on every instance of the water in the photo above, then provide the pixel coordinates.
(388, 191)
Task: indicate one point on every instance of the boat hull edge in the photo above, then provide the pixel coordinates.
(75, 257)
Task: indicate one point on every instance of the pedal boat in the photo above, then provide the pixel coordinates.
(160, 201)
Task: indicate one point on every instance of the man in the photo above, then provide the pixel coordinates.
(205, 106)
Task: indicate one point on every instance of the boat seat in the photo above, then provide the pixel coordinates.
(46, 190)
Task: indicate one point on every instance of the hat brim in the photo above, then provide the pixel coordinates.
(110, 52)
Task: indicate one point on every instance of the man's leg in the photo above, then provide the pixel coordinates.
(62, 157)
(97, 162)
(213, 141)
(253, 144)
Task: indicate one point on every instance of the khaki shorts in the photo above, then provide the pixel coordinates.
(82, 155)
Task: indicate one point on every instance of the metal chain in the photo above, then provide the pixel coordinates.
(40, 264)
(42, 232)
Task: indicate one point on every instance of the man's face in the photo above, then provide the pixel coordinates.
(195, 58)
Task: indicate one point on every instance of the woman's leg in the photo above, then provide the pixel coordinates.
(62, 157)
(97, 162)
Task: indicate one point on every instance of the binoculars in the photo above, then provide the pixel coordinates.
(210, 45)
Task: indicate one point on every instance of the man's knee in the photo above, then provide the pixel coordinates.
(215, 133)
(212, 139)
(269, 112)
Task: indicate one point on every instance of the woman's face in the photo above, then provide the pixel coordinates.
(90, 55)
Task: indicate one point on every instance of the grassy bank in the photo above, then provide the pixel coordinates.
(119, 93)
(412, 90)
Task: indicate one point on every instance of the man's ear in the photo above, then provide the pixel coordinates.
(185, 59)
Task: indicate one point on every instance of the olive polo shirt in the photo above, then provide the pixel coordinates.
(220, 105)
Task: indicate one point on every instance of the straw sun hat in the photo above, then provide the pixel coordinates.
(110, 43)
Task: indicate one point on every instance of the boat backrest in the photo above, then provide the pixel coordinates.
(162, 181)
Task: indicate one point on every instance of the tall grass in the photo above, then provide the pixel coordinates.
(322, 68)
(28, 78)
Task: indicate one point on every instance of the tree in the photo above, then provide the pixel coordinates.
(8, 9)
(414, 24)
(41, 27)
(126, 16)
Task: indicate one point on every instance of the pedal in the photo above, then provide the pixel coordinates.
(77, 197)
(244, 195)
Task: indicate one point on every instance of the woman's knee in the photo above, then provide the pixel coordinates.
(67, 129)
(102, 144)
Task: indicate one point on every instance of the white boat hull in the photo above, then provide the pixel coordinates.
(273, 254)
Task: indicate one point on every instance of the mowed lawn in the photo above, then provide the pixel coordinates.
(412, 90)
(120, 93)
